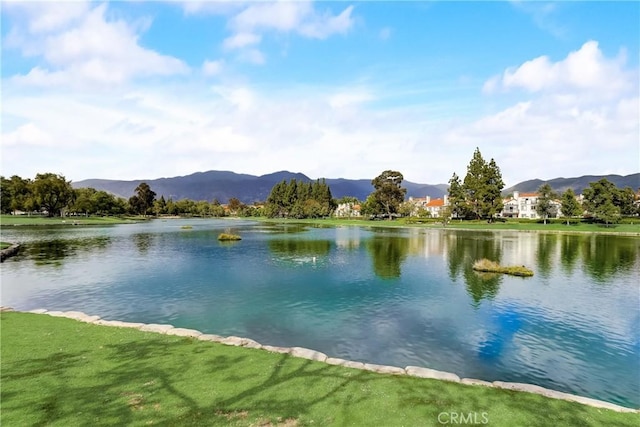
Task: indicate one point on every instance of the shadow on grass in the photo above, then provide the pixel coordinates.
(139, 379)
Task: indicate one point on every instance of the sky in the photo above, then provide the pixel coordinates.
(143, 90)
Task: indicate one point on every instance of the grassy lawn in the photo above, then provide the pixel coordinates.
(61, 372)
(11, 220)
(471, 225)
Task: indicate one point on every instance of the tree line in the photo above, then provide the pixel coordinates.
(299, 199)
(53, 195)
(477, 196)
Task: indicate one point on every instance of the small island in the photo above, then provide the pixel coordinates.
(228, 237)
(487, 266)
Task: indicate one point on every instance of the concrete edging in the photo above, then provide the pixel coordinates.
(313, 355)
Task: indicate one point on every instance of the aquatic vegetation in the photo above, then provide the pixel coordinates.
(487, 266)
(228, 237)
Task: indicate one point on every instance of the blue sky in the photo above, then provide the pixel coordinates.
(141, 90)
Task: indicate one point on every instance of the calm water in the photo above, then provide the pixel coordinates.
(387, 296)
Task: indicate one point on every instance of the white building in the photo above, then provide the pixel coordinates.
(523, 205)
(347, 210)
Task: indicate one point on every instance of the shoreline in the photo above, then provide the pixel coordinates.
(309, 354)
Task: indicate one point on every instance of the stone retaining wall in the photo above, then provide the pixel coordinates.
(8, 252)
(306, 353)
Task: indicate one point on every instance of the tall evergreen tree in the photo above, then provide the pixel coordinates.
(457, 200)
(483, 186)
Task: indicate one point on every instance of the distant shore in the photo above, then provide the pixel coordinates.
(509, 225)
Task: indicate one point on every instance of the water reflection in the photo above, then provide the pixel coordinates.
(299, 251)
(546, 248)
(299, 247)
(143, 241)
(387, 254)
(45, 252)
(606, 256)
(569, 252)
(463, 252)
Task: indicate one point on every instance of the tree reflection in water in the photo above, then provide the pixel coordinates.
(388, 253)
(463, 251)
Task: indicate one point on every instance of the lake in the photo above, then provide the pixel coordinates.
(378, 295)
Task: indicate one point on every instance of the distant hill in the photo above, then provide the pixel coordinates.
(578, 185)
(223, 185)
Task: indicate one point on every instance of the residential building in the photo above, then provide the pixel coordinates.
(523, 205)
(432, 206)
(347, 210)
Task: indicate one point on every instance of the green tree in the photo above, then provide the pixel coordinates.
(624, 199)
(83, 201)
(457, 199)
(483, 187)
(160, 206)
(389, 192)
(17, 195)
(348, 199)
(569, 205)
(234, 205)
(299, 199)
(143, 200)
(599, 200)
(5, 195)
(371, 206)
(545, 208)
(52, 192)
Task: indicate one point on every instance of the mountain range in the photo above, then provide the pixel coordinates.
(223, 185)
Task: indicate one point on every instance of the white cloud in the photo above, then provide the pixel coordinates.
(240, 40)
(249, 21)
(212, 68)
(585, 70)
(28, 134)
(292, 16)
(47, 16)
(90, 50)
(321, 27)
(349, 98)
(252, 56)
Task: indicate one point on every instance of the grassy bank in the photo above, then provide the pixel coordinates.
(58, 371)
(23, 220)
(471, 225)
(4, 245)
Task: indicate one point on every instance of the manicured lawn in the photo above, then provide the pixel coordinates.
(11, 220)
(61, 372)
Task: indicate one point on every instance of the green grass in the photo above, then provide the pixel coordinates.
(470, 225)
(23, 220)
(60, 372)
(5, 245)
(487, 266)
